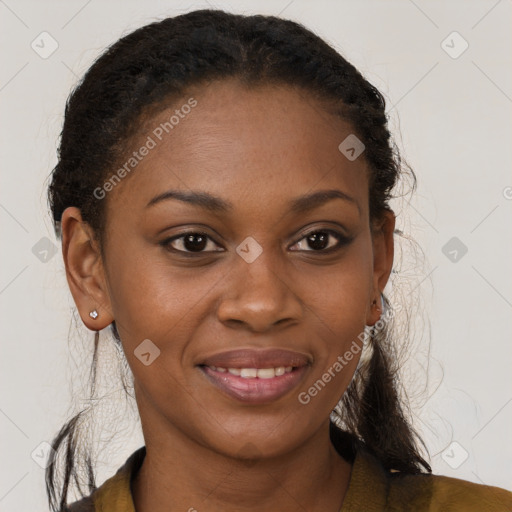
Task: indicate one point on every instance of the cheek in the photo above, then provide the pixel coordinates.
(148, 296)
(338, 301)
(341, 293)
(161, 304)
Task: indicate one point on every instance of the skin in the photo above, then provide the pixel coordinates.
(259, 149)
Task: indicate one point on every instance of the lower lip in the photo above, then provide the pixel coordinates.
(255, 390)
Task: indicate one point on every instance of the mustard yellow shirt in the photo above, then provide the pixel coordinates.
(371, 489)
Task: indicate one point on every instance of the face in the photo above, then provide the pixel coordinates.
(248, 273)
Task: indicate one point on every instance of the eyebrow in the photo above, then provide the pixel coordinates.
(215, 204)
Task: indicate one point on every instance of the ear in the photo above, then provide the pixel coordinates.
(84, 270)
(383, 253)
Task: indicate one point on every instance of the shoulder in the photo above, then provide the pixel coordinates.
(441, 493)
(373, 488)
(455, 494)
(114, 495)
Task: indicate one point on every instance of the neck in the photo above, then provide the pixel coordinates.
(180, 474)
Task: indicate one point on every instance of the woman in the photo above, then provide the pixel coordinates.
(222, 195)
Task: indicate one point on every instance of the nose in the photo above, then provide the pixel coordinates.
(259, 296)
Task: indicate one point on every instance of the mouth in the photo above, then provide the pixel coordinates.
(255, 376)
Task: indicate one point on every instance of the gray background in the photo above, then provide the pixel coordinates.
(450, 112)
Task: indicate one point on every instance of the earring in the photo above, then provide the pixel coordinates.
(94, 314)
(374, 304)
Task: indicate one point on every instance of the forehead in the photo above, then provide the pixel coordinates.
(263, 144)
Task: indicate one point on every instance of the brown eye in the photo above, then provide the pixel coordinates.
(323, 240)
(193, 242)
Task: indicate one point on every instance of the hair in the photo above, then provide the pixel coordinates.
(145, 70)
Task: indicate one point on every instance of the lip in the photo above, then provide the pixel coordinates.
(257, 358)
(256, 390)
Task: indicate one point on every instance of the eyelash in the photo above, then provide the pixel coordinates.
(342, 241)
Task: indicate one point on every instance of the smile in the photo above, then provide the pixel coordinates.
(255, 376)
(253, 373)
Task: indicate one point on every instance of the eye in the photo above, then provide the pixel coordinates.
(194, 242)
(320, 241)
(190, 243)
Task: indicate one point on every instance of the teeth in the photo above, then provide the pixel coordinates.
(266, 373)
(252, 373)
(247, 373)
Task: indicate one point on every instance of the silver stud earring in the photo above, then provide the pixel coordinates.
(94, 314)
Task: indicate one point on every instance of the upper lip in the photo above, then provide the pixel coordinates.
(257, 358)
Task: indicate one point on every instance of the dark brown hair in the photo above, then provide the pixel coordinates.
(141, 73)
